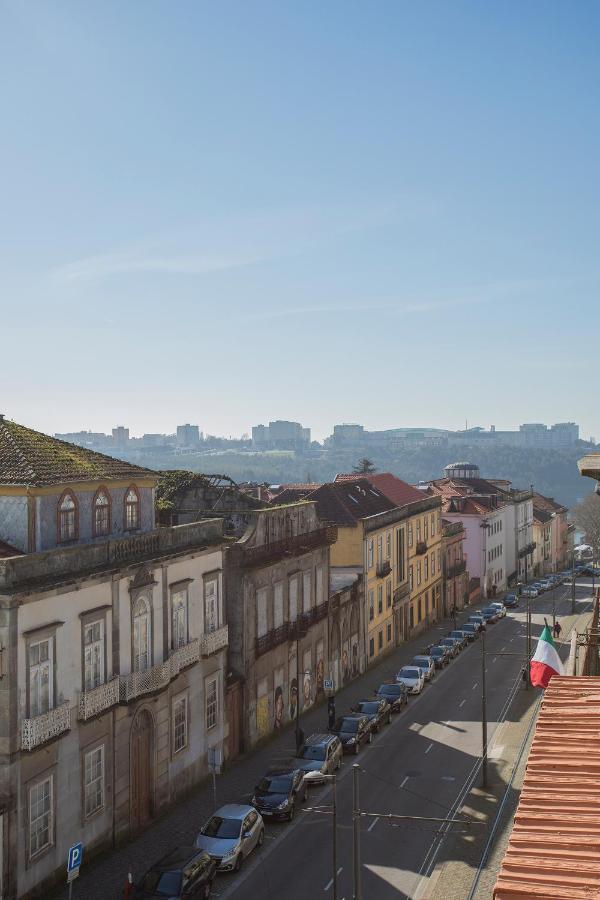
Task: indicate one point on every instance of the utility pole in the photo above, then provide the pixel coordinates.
(357, 895)
(334, 813)
(573, 580)
(483, 717)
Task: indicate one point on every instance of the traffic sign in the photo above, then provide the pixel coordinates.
(75, 857)
(327, 684)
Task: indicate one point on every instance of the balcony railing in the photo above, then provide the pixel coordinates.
(49, 725)
(402, 592)
(525, 551)
(99, 699)
(457, 569)
(214, 641)
(273, 638)
(383, 568)
(136, 684)
(289, 631)
(421, 548)
(290, 546)
(137, 546)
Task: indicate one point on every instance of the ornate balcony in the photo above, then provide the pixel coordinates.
(402, 592)
(274, 637)
(41, 729)
(266, 554)
(421, 548)
(99, 699)
(214, 641)
(525, 551)
(136, 684)
(383, 568)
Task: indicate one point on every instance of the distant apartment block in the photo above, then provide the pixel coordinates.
(188, 435)
(530, 434)
(280, 435)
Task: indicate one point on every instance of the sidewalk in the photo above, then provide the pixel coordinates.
(104, 877)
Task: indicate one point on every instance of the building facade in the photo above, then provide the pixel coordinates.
(454, 568)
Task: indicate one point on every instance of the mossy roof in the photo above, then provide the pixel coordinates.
(31, 458)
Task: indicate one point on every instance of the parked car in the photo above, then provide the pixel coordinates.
(231, 834)
(477, 620)
(395, 694)
(529, 592)
(500, 609)
(589, 572)
(471, 629)
(320, 754)
(378, 712)
(427, 666)
(460, 636)
(440, 655)
(452, 645)
(511, 601)
(412, 677)
(546, 584)
(489, 615)
(537, 585)
(182, 872)
(353, 731)
(278, 793)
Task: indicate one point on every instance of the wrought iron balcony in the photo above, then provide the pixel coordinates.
(49, 725)
(421, 548)
(99, 699)
(525, 551)
(402, 592)
(383, 568)
(273, 638)
(264, 554)
(136, 684)
(457, 569)
(213, 641)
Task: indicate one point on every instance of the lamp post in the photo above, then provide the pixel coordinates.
(483, 716)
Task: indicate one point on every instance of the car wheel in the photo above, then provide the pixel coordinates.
(370, 738)
(238, 862)
(261, 837)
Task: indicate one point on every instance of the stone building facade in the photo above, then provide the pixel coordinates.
(454, 565)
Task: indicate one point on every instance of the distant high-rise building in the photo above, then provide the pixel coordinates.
(281, 435)
(188, 435)
(120, 436)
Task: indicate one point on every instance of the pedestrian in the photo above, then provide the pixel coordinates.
(557, 629)
(331, 712)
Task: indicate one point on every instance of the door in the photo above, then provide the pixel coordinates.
(234, 720)
(142, 770)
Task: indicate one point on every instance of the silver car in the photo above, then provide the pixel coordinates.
(231, 834)
(427, 665)
(321, 754)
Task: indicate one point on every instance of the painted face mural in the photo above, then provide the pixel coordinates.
(320, 670)
(278, 712)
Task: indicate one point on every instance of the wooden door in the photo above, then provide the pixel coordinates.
(142, 770)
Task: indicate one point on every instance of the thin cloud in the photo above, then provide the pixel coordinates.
(327, 309)
(96, 267)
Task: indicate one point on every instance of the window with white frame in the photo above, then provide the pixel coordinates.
(180, 723)
(41, 818)
(433, 564)
(306, 591)
(293, 598)
(410, 534)
(93, 654)
(418, 573)
(432, 524)
(379, 549)
(132, 509)
(261, 612)
(212, 703)
(179, 618)
(41, 677)
(211, 604)
(388, 545)
(93, 780)
(369, 554)
(142, 633)
(278, 604)
(426, 568)
(410, 577)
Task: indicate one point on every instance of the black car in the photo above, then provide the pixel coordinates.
(395, 694)
(378, 712)
(276, 795)
(440, 656)
(182, 872)
(352, 732)
(511, 601)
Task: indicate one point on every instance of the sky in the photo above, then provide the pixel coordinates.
(228, 213)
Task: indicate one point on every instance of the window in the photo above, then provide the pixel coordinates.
(180, 723)
(426, 602)
(212, 703)
(101, 513)
(379, 599)
(388, 593)
(179, 617)
(410, 577)
(418, 574)
(41, 677)
(425, 528)
(132, 509)
(41, 824)
(410, 534)
(261, 612)
(432, 524)
(306, 591)
(418, 531)
(319, 572)
(293, 597)
(379, 549)
(426, 568)
(389, 633)
(380, 640)
(432, 564)
(278, 604)
(412, 617)
(67, 517)
(438, 560)
(371, 647)
(211, 604)
(419, 611)
(141, 634)
(400, 561)
(93, 655)
(369, 554)
(388, 545)
(93, 780)
(371, 606)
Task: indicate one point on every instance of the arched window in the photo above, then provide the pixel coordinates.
(132, 509)
(67, 517)
(101, 513)
(142, 633)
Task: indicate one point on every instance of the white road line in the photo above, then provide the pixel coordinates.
(494, 659)
(502, 648)
(429, 748)
(404, 782)
(462, 703)
(373, 824)
(475, 685)
(330, 882)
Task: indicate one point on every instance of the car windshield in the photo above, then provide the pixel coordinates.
(391, 689)
(167, 883)
(369, 708)
(280, 784)
(348, 725)
(437, 651)
(421, 661)
(311, 751)
(216, 827)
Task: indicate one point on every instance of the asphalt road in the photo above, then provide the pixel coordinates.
(420, 765)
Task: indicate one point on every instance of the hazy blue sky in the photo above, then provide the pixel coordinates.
(226, 213)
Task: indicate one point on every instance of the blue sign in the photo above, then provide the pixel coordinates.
(75, 857)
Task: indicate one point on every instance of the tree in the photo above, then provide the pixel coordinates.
(364, 467)
(586, 515)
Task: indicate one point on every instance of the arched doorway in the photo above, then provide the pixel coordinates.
(142, 770)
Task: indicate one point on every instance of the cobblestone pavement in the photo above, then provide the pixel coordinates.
(104, 877)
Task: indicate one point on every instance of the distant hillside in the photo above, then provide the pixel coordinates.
(552, 472)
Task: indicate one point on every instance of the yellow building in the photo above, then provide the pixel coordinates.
(425, 564)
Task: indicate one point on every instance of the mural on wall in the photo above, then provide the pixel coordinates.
(320, 669)
(262, 708)
(346, 662)
(278, 701)
(307, 686)
(354, 641)
(292, 684)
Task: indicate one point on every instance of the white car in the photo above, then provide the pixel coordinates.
(529, 592)
(500, 607)
(412, 677)
(427, 666)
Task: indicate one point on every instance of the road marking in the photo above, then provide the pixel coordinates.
(330, 882)
(429, 748)
(462, 703)
(502, 648)
(404, 782)
(494, 659)
(448, 778)
(475, 685)
(373, 824)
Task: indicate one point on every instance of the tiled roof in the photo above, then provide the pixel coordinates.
(400, 492)
(554, 847)
(547, 503)
(541, 515)
(346, 503)
(291, 493)
(28, 457)
(6, 550)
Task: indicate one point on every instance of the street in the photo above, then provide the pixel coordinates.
(421, 765)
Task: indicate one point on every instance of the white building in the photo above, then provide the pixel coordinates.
(112, 654)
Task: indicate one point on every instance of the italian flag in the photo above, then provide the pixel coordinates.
(545, 662)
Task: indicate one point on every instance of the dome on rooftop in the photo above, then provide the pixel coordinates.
(461, 470)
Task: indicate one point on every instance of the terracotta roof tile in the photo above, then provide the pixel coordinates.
(400, 492)
(28, 457)
(346, 503)
(554, 847)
